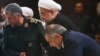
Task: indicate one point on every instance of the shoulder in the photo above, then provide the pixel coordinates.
(78, 37)
(62, 16)
(75, 33)
(38, 23)
(63, 19)
(32, 21)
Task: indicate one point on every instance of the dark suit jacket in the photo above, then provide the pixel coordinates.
(1, 40)
(78, 44)
(64, 21)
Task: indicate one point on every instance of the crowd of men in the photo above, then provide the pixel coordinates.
(53, 35)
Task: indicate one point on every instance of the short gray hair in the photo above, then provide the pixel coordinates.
(13, 8)
(55, 28)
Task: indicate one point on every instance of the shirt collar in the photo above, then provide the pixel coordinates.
(62, 45)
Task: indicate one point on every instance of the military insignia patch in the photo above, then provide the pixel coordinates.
(33, 20)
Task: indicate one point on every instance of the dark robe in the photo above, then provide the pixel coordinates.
(64, 21)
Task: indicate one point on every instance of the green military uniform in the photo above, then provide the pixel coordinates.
(25, 38)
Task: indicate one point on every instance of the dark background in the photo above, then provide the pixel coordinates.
(67, 5)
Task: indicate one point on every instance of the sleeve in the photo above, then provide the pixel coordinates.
(42, 41)
(41, 36)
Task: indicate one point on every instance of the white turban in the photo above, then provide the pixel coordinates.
(49, 4)
(27, 11)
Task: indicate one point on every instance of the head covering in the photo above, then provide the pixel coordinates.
(27, 11)
(49, 4)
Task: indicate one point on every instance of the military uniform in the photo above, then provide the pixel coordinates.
(1, 43)
(25, 38)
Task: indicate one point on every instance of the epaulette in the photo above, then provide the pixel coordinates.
(33, 20)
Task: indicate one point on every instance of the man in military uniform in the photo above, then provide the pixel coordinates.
(21, 36)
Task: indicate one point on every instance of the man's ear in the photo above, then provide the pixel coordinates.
(58, 36)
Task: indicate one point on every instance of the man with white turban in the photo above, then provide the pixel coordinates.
(27, 12)
(50, 13)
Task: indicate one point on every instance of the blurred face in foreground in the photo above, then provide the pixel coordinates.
(78, 7)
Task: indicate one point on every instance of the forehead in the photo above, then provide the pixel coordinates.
(43, 9)
(79, 4)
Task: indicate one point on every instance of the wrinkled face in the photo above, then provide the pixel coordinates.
(54, 40)
(46, 15)
(78, 7)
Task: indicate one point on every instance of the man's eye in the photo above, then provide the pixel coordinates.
(42, 14)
